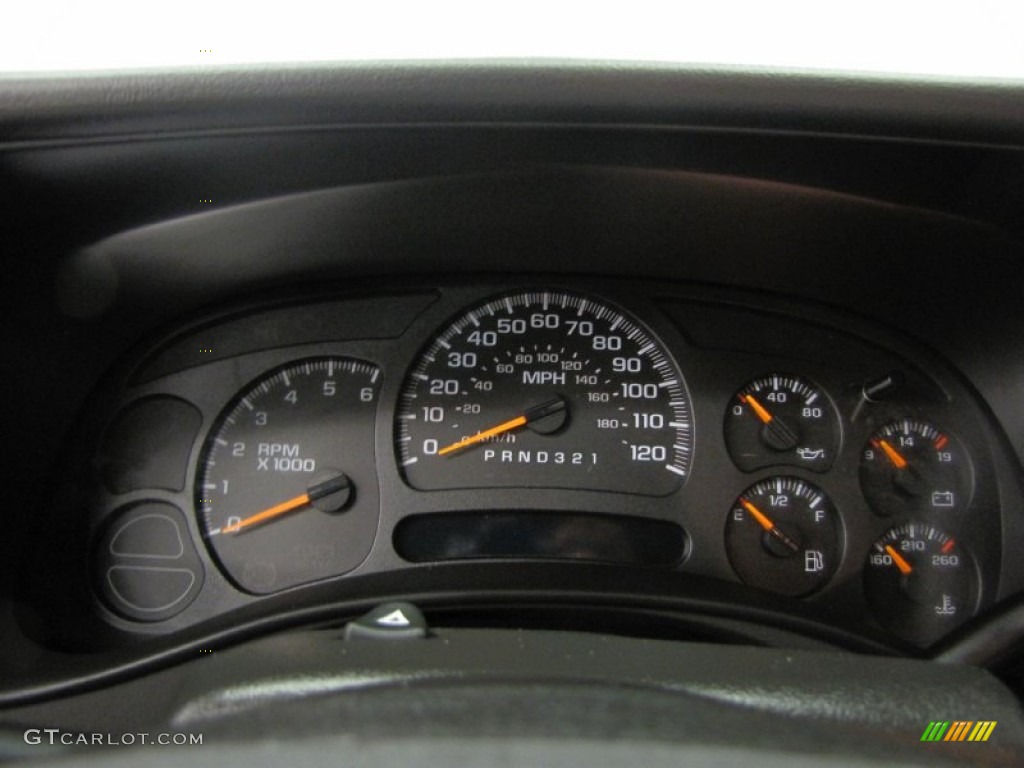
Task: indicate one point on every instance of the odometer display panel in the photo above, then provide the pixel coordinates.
(545, 389)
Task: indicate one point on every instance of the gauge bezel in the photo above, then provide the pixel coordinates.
(467, 473)
(350, 528)
(768, 458)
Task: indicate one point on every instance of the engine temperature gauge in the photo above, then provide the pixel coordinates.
(920, 582)
(781, 419)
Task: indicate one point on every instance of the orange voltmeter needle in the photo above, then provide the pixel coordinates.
(765, 522)
(897, 461)
(901, 562)
(338, 486)
(537, 412)
(756, 407)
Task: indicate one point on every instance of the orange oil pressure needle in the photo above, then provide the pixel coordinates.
(760, 516)
(898, 461)
(901, 562)
(267, 514)
(501, 429)
(759, 409)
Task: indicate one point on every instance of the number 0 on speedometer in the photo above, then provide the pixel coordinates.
(545, 389)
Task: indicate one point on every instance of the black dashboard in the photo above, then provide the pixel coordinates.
(732, 358)
(721, 434)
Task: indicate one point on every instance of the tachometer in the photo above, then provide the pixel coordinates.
(287, 488)
(545, 389)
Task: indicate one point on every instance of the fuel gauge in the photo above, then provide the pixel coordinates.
(784, 535)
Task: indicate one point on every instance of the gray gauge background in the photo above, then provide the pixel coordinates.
(803, 430)
(625, 419)
(293, 428)
(718, 338)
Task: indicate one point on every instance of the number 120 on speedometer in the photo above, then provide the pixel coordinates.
(545, 389)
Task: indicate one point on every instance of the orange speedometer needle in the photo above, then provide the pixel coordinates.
(897, 461)
(765, 522)
(537, 412)
(901, 562)
(505, 426)
(756, 407)
(334, 491)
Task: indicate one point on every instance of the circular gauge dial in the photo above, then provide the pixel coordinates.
(920, 582)
(910, 467)
(782, 419)
(286, 487)
(545, 389)
(784, 535)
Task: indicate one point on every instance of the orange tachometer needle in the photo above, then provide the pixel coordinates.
(267, 514)
(549, 408)
(759, 409)
(897, 461)
(331, 494)
(901, 562)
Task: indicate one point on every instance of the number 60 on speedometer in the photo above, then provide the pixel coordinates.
(545, 389)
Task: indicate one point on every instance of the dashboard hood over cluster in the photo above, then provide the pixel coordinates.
(684, 403)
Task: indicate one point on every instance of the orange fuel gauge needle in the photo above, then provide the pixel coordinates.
(537, 412)
(901, 562)
(765, 522)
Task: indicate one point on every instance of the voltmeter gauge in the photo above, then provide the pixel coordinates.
(784, 535)
(912, 467)
(780, 419)
(920, 582)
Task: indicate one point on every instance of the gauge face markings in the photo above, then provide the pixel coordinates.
(784, 535)
(781, 419)
(910, 466)
(286, 488)
(920, 582)
(545, 389)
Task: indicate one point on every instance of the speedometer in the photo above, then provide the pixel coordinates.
(545, 389)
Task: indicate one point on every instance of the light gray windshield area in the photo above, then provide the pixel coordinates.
(975, 40)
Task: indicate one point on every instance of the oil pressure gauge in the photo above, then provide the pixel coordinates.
(782, 419)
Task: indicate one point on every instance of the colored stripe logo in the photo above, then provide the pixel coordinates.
(959, 730)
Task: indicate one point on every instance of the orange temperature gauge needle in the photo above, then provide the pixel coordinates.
(757, 408)
(901, 562)
(897, 461)
(267, 514)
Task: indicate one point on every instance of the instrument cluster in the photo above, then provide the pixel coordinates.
(799, 452)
